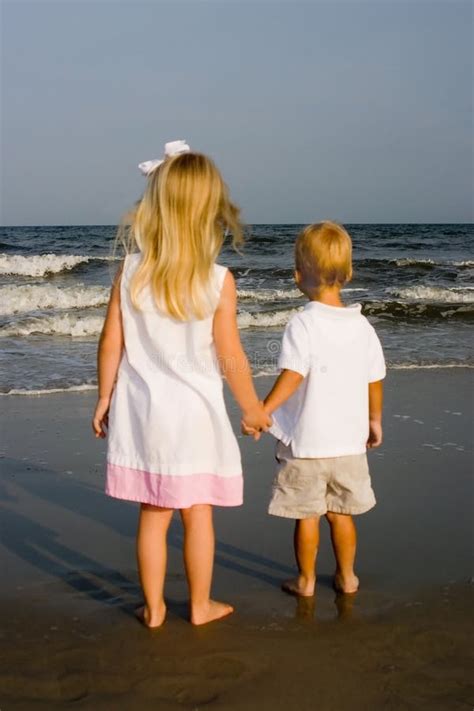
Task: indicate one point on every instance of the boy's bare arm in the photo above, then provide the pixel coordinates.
(375, 414)
(284, 387)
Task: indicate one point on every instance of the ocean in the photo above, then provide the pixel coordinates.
(414, 283)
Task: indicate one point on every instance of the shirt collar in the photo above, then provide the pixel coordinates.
(337, 311)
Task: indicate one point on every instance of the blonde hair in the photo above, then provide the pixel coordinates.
(323, 256)
(179, 226)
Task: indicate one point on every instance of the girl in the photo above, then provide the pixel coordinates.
(169, 333)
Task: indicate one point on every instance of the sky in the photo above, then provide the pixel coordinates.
(350, 110)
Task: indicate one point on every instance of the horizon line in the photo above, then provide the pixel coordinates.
(252, 224)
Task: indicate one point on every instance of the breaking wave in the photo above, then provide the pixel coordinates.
(61, 325)
(29, 297)
(267, 319)
(39, 265)
(436, 293)
(418, 311)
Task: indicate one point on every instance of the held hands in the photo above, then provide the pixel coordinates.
(100, 419)
(255, 421)
(375, 434)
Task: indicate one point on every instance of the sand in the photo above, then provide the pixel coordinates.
(69, 586)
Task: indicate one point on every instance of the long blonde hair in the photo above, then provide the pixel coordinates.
(179, 226)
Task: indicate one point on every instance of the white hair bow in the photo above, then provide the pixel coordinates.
(173, 148)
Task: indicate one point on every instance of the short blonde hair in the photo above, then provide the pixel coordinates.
(323, 256)
(179, 226)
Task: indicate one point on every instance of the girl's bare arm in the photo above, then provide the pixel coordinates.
(109, 354)
(232, 359)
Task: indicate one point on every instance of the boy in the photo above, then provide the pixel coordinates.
(327, 409)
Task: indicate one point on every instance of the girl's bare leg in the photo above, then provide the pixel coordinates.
(344, 542)
(306, 542)
(151, 556)
(199, 561)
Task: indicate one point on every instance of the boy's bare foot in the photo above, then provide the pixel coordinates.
(209, 612)
(301, 586)
(346, 586)
(151, 621)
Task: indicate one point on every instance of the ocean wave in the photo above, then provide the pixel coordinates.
(7, 245)
(269, 295)
(418, 311)
(370, 267)
(428, 366)
(425, 264)
(266, 319)
(265, 295)
(412, 262)
(263, 372)
(409, 262)
(388, 310)
(25, 298)
(61, 325)
(269, 371)
(39, 265)
(84, 387)
(73, 326)
(436, 293)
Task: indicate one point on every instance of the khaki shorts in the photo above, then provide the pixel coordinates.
(304, 488)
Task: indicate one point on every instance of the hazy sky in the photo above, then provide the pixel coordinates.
(356, 111)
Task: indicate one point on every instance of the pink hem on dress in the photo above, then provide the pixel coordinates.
(173, 492)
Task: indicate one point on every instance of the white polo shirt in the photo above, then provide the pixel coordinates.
(338, 353)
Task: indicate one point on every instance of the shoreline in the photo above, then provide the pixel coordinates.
(89, 387)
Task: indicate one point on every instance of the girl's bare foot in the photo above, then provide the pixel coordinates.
(347, 586)
(152, 621)
(209, 612)
(301, 586)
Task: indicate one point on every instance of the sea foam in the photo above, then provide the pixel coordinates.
(267, 319)
(30, 297)
(39, 265)
(269, 295)
(60, 325)
(436, 293)
(264, 295)
(83, 387)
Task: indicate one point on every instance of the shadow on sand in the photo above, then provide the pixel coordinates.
(39, 545)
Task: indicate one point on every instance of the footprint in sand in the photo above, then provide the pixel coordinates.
(200, 680)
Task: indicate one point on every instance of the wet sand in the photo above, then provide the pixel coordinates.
(69, 585)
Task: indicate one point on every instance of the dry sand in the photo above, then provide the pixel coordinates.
(68, 637)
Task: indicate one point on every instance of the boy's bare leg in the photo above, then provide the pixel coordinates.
(306, 542)
(151, 556)
(199, 561)
(344, 542)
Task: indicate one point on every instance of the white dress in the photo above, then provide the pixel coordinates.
(170, 441)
